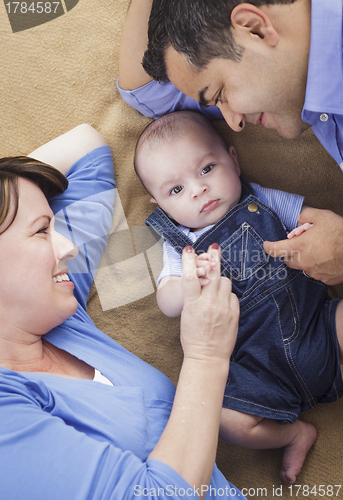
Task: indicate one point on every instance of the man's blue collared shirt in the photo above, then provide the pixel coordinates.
(323, 107)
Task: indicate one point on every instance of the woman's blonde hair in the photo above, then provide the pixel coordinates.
(50, 180)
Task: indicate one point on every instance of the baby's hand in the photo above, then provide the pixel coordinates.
(299, 230)
(205, 263)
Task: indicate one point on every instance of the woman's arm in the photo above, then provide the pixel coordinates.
(134, 42)
(66, 149)
(209, 324)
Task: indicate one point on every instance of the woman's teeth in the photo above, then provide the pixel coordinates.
(61, 277)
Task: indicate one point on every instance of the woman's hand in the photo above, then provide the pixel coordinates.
(209, 320)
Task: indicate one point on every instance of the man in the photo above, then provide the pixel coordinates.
(259, 62)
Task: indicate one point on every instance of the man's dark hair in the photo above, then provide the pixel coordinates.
(200, 29)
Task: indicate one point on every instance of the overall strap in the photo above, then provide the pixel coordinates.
(167, 228)
(247, 189)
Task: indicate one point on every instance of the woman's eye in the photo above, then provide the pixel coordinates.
(206, 170)
(43, 230)
(176, 190)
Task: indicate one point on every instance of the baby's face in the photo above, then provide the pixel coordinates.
(194, 178)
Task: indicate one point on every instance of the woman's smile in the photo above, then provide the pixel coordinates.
(63, 278)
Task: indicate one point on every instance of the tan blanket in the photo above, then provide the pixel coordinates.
(62, 73)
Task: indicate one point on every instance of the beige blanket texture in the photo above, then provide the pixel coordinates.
(58, 73)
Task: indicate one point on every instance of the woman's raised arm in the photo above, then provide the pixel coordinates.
(66, 149)
(134, 42)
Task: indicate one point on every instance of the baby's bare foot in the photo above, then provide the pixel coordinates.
(295, 453)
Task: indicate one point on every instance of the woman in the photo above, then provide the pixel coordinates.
(81, 417)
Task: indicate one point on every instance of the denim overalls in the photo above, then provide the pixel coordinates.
(286, 356)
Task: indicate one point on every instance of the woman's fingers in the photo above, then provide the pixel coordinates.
(190, 282)
(205, 267)
(214, 273)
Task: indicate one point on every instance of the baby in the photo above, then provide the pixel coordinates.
(290, 335)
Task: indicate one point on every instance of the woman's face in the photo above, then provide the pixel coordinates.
(33, 262)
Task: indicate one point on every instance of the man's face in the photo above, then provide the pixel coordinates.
(262, 88)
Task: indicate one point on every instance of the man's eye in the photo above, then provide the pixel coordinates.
(206, 170)
(176, 190)
(218, 98)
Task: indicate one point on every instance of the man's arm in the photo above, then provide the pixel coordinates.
(318, 251)
(134, 42)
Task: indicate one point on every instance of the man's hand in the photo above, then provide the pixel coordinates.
(318, 251)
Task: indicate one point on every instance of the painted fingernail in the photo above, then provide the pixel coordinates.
(189, 249)
(215, 246)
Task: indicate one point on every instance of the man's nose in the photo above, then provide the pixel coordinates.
(236, 121)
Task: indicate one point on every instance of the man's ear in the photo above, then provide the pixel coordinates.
(249, 20)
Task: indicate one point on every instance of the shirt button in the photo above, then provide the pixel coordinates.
(252, 207)
(324, 117)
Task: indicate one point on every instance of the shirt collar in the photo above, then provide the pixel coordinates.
(325, 72)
